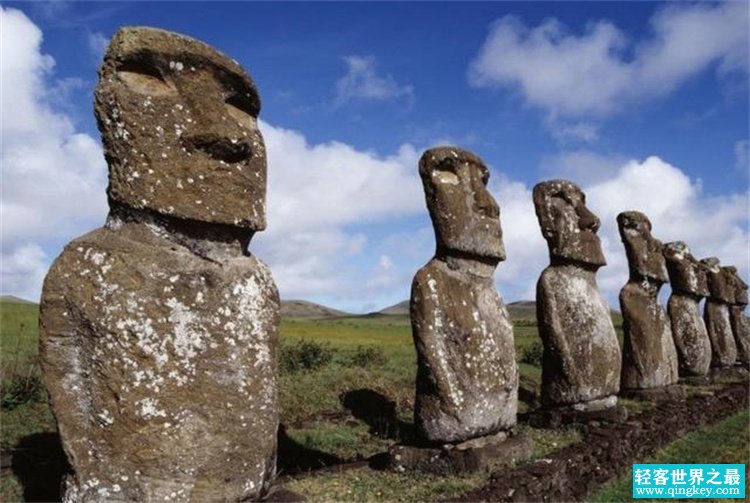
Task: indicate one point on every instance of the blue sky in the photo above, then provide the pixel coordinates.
(645, 105)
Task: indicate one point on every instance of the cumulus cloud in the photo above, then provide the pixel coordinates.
(601, 70)
(22, 271)
(316, 193)
(583, 166)
(362, 83)
(53, 176)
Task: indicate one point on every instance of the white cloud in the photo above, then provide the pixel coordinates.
(583, 166)
(525, 248)
(600, 71)
(316, 193)
(23, 270)
(362, 83)
(53, 177)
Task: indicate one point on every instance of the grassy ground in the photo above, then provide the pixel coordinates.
(327, 411)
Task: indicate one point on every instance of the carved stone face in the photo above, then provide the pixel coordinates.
(645, 257)
(567, 224)
(740, 287)
(719, 285)
(465, 216)
(686, 274)
(179, 125)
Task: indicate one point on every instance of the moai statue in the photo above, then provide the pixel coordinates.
(581, 360)
(737, 317)
(689, 283)
(649, 358)
(159, 330)
(467, 378)
(716, 314)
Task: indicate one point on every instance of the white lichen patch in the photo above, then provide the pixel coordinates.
(148, 408)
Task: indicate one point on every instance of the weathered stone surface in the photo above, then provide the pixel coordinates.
(660, 394)
(604, 410)
(649, 356)
(737, 317)
(158, 332)
(492, 452)
(689, 284)
(467, 378)
(179, 125)
(582, 358)
(716, 315)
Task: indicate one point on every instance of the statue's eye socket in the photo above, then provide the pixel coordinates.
(144, 79)
(239, 109)
(446, 176)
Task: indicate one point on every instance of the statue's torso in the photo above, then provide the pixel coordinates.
(159, 363)
(467, 382)
(649, 354)
(582, 356)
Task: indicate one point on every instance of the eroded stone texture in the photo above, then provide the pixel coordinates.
(649, 358)
(179, 125)
(159, 331)
(716, 314)
(467, 378)
(582, 360)
(689, 285)
(737, 317)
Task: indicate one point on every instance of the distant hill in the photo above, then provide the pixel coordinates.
(11, 299)
(399, 309)
(305, 309)
(522, 310)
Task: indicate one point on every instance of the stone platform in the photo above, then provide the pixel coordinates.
(493, 451)
(604, 409)
(660, 394)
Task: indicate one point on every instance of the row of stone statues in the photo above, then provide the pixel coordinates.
(159, 331)
(467, 376)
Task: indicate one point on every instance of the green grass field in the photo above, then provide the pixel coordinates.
(370, 358)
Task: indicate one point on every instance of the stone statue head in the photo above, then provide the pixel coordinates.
(719, 286)
(644, 252)
(179, 124)
(740, 287)
(686, 274)
(567, 224)
(465, 216)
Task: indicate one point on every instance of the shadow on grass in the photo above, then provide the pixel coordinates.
(378, 412)
(40, 465)
(294, 458)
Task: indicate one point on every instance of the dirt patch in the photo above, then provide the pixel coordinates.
(608, 449)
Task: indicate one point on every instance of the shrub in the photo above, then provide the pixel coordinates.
(367, 356)
(532, 354)
(305, 355)
(20, 386)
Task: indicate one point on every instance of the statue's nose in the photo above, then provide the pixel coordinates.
(213, 130)
(586, 219)
(486, 204)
